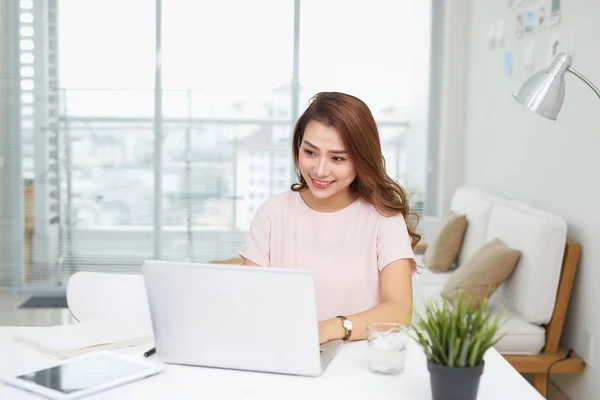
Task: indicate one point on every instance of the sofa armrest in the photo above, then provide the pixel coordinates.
(539, 363)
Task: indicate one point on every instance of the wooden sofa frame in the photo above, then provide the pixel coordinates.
(553, 357)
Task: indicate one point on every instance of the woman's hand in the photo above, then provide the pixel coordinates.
(330, 329)
(323, 336)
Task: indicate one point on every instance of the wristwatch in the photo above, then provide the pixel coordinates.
(347, 324)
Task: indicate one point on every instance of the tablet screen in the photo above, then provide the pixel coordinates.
(83, 374)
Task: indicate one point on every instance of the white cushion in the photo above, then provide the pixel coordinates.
(476, 205)
(531, 289)
(424, 294)
(520, 337)
(427, 285)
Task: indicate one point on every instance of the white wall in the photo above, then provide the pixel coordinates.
(554, 166)
(450, 151)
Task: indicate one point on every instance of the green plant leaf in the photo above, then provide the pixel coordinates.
(457, 335)
(476, 353)
(464, 352)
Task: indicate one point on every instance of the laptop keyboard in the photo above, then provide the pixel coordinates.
(328, 351)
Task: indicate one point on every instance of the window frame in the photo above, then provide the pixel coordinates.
(158, 231)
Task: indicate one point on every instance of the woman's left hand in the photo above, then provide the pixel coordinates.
(322, 332)
(327, 330)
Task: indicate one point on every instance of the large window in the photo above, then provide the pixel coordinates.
(174, 123)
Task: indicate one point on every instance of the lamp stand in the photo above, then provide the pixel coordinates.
(584, 79)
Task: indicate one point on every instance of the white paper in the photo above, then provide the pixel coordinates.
(70, 340)
(528, 59)
(492, 35)
(500, 32)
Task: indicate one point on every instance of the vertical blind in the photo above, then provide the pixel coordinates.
(161, 136)
(6, 81)
(30, 197)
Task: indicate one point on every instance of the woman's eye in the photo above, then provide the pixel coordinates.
(308, 152)
(338, 159)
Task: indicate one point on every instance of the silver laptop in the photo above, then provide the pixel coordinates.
(236, 317)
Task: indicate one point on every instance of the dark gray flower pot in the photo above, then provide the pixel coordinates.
(451, 383)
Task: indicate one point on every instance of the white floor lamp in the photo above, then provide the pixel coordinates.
(544, 92)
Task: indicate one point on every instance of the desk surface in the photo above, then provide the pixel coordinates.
(347, 377)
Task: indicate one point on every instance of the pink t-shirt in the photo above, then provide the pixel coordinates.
(345, 249)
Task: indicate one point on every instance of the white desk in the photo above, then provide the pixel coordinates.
(347, 377)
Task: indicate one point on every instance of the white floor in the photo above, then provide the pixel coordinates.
(12, 315)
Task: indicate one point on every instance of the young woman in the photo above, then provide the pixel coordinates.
(346, 220)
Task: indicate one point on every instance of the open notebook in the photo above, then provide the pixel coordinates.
(66, 341)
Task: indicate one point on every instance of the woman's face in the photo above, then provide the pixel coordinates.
(324, 162)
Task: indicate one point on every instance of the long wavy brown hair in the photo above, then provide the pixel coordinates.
(353, 119)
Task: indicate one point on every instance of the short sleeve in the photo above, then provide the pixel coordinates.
(393, 241)
(256, 248)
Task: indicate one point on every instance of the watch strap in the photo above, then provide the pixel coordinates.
(348, 332)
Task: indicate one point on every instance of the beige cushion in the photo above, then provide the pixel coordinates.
(481, 274)
(445, 246)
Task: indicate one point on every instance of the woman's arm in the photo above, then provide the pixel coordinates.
(396, 304)
(256, 248)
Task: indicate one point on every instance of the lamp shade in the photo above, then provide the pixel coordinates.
(544, 92)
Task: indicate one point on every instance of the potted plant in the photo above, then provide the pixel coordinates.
(455, 339)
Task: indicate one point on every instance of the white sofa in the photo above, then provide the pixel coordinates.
(529, 294)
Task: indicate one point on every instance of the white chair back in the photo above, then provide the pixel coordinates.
(94, 296)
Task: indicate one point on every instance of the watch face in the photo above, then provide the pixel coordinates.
(348, 324)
